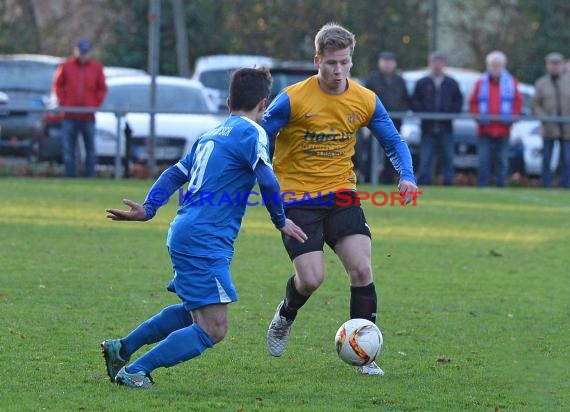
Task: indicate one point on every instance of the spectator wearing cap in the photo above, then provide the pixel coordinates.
(436, 93)
(390, 87)
(495, 93)
(552, 98)
(79, 82)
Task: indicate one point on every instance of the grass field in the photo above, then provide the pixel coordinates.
(478, 277)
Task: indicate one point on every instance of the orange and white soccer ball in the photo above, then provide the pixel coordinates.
(358, 342)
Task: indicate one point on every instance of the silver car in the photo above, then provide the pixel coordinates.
(184, 113)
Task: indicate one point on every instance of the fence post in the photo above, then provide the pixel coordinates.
(117, 172)
(127, 160)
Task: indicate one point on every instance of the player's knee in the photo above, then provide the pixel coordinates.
(310, 284)
(361, 274)
(217, 331)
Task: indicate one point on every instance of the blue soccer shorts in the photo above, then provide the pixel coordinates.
(201, 281)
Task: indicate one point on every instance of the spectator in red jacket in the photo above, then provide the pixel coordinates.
(495, 93)
(80, 82)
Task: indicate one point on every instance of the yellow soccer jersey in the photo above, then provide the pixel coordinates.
(316, 133)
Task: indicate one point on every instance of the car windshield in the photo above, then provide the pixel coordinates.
(26, 75)
(217, 79)
(136, 97)
(282, 80)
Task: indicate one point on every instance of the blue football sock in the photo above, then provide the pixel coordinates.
(179, 346)
(155, 329)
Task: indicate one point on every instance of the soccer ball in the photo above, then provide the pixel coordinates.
(358, 342)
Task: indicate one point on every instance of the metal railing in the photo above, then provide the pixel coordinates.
(374, 161)
(375, 145)
(119, 115)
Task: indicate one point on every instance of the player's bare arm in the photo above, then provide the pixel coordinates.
(291, 229)
(409, 189)
(136, 213)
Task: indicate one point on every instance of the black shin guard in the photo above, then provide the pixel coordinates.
(293, 300)
(363, 302)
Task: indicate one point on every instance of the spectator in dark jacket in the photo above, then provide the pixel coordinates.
(495, 93)
(437, 93)
(80, 82)
(391, 89)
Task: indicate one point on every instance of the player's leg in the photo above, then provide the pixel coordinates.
(348, 234)
(205, 286)
(186, 343)
(117, 352)
(354, 252)
(155, 329)
(309, 274)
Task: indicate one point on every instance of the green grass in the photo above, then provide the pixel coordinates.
(70, 278)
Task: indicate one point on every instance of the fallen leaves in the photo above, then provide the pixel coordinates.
(443, 359)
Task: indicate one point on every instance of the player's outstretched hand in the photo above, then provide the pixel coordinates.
(409, 189)
(291, 229)
(137, 212)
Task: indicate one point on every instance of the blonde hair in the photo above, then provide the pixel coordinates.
(332, 36)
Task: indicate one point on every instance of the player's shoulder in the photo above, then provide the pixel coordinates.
(308, 82)
(301, 88)
(365, 96)
(358, 88)
(250, 130)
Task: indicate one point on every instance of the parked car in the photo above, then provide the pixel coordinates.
(214, 73)
(25, 81)
(175, 132)
(289, 72)
(465, 130)
(48, 146)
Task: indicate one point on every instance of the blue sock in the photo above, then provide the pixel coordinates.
(155, 329)
(179, 346)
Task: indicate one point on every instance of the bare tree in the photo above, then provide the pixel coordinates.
(473, 29)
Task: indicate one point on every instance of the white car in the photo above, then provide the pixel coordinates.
(528, 133)
(184, 114)
(214, 73)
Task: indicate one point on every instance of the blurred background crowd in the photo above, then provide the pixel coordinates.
(441, 56)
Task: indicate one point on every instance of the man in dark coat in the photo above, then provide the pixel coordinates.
(390, 87)
(437, 93)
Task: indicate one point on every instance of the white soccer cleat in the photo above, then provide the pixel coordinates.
(370, 369)
(278, 333)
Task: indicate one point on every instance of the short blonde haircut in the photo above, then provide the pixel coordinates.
(333, 37)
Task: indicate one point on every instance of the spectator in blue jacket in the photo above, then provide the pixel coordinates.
(436, 93)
